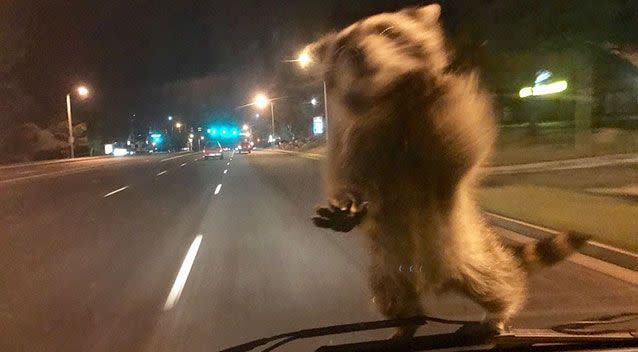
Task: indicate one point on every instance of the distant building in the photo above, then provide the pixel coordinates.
(601, 84)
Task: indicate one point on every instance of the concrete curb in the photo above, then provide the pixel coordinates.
(609, 254)
(546, 166)
(313, 156)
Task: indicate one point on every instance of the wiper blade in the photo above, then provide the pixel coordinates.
(340, 329)
(471, 333)
(584, 327)
(516, 340)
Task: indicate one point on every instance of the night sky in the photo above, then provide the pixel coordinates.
(158, 58)
(154, 58)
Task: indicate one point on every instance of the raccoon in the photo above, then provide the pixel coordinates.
(407, 137)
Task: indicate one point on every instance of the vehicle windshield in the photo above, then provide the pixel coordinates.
(193, 175)
(212, 144)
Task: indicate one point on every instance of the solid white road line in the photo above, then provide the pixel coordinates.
(161, 173)
(184, 164)
(218, 188)
(225, 171)
(182, 275)
(117, 190)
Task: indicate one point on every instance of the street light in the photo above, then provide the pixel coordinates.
(261, 101)
(82, 92)
(178, 126)
(304, 59)
(170, 118)
(314, 101)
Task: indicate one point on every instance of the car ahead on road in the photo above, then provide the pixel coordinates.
(213, 149)
(245, 147)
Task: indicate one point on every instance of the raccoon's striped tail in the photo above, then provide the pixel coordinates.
(537, 255)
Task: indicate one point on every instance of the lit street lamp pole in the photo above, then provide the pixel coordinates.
(261, 101)
(304, 60)
(70, 122)
(83, 92)
(272, 117)
(325, 108)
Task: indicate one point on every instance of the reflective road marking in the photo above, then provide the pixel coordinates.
(117, 190)
(183, 273)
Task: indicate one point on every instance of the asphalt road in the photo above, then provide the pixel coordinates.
(149, 253)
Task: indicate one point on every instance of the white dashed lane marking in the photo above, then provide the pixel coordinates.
(218, 188)
(225, 171)
(182, 275)
(116, 191)
(161, 173)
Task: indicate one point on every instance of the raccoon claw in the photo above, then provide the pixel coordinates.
(348, 202)
(321, 222)
(341, 216)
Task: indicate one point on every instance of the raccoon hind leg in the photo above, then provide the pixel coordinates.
(395, 293)
(498, 286)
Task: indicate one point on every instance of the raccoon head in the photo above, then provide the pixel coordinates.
(368, 58)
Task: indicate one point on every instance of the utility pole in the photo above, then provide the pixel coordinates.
(272, 116)
(70, 122)
(325, 109)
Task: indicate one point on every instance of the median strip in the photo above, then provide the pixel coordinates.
(182, 275)
(116, 191)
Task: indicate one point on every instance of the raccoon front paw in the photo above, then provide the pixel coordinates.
(342, 215)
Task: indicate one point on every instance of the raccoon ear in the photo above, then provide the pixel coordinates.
(428, 14)
(319, 49)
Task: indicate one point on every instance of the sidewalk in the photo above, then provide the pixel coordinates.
(54, 161)
(609, 220)
(606, 216)
(568, 164)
